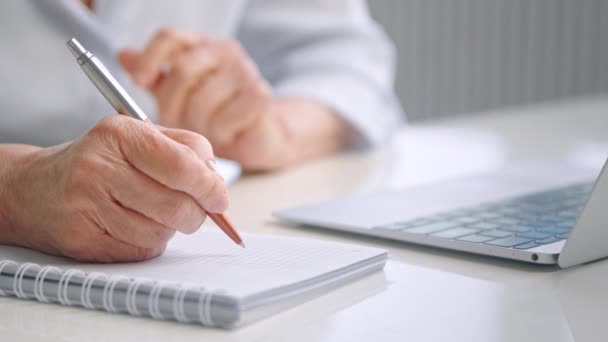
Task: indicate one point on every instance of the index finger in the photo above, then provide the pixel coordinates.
(175, 165)
(160, 50)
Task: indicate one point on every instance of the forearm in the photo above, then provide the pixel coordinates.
(312, 130)
(10, 156)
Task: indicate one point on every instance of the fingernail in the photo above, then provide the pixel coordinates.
(211, 164)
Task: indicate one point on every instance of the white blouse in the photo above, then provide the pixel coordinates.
(326, 50)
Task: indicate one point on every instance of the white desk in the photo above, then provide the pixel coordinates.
(424, 294)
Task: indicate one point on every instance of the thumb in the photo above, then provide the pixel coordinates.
(128, 59)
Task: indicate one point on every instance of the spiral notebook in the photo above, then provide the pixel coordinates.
(202, 278)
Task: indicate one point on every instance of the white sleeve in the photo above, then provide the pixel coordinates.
(330, 51)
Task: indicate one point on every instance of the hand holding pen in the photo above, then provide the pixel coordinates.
(124, 104)
(118, 193)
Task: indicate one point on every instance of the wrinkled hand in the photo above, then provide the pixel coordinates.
(211, 87)
(119, 193)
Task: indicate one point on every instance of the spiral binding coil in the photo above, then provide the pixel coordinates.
(64, 282)
(178, 304)
(39, 282)
(18, 280)
(3, 264)
(204, 308)
(154, 300)
(106, 286)
(108, 292)
(132, 299)
(85, 290)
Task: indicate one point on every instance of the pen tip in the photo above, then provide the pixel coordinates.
(242, 244)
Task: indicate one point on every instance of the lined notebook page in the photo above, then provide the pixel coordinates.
(210, 259)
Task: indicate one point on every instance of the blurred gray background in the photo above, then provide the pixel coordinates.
(459, 56)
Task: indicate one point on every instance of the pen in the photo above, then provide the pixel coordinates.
(124, 104)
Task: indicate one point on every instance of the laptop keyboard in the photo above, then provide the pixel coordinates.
(521, 222)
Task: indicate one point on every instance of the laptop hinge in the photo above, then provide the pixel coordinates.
(588, 240)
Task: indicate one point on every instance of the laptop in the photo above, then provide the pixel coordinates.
(541, 212)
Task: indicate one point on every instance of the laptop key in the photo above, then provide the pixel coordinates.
(553, 230)
(393, 226)
(569, 214)
(506, 221)
(432, 227)
(467, 219)
(420, 221)
(529, 218)
(550, 219)
(508, 211)
(527, 245)
(455, 232)
(443, 216)
(518, 228)
(550, 239)
(509, 241)
(535, 235)
(497, 233)
(489, 215)
(476, 238)
(566, 223)
(485, 225)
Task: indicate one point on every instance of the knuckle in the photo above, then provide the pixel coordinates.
(185, 162)
(202, 55)
(183, 67)
(198, 144)
(167, 33)
(210, 61)
(188, 138)
(232, 48)
(109, 125)
(155, 142)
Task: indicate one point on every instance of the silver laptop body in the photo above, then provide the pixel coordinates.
(544, 213)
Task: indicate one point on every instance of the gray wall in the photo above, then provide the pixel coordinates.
(459, 56)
